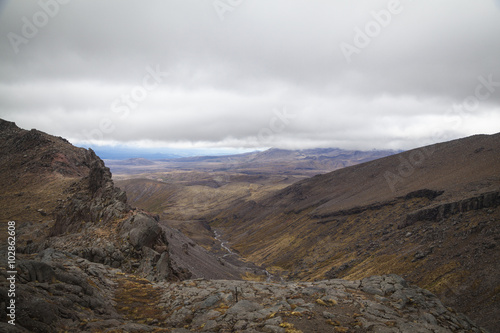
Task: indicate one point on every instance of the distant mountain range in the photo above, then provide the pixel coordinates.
(122, 152)
(272, 161)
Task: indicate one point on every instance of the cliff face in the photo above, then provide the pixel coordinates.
(442, 211)
(92, 199)
(34, 152)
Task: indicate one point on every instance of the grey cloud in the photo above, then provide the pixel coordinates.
(226, 77)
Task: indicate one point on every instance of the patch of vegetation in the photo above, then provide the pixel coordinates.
(136, 299)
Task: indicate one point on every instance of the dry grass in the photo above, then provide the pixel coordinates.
(290, 328)
(21, 200)
(253, 277)
(137, 300)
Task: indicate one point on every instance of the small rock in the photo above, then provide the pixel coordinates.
(328, 315)
(300, 310)
(430, 318)
(273, 329)
(240, 325)
(42, 212)
(373, 290)
(212, 325)
(274, 321)
(419, 255)
(210, 301)
(295, 301)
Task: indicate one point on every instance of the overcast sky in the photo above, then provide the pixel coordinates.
(252, 73)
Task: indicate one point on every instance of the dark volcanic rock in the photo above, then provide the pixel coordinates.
(91, 297)
(93, 199)
(424, 193)
(57, 291)
(31, 270)
(444, 210)
(376, 304)
(142, 230)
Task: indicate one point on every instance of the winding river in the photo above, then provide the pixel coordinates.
(223, 245)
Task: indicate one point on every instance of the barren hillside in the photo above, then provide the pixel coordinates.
(430, 215)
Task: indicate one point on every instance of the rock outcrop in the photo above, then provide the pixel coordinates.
(92, 199)
(444, 210)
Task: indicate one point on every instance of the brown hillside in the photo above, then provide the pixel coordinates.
(402, 214)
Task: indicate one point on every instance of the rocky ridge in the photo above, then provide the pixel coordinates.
(62, 292)
(85, 214)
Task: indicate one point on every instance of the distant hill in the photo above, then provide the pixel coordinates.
(134, 162)
(193, 188)
(430, 214)
(124, 153)
(272, 161)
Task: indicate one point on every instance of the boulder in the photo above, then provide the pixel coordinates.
(142, 230)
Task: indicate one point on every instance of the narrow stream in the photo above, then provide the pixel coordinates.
(230, 252)
(223, 245)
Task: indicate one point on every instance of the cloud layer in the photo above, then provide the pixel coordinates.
(252, 74)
